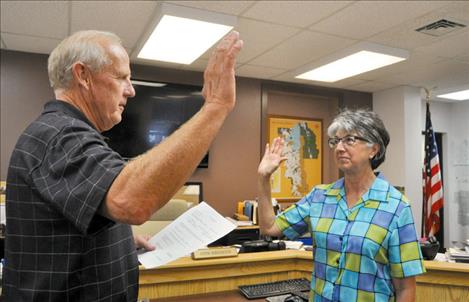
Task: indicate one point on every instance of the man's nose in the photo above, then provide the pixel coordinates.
(130, 91)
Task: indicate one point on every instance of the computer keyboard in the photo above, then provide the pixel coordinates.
(277, 288)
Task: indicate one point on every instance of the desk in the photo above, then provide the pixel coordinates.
(228, 296)
(183, 277)
(189, 277)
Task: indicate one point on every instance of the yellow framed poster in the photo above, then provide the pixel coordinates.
(303, 148)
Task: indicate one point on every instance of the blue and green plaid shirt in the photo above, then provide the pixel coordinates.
(357, 251)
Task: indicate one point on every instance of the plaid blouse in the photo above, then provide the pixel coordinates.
(357, 251)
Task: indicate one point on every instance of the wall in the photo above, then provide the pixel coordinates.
(400, 109)
(234, 154)
(390, 106)
(458, 162)
(24, 89)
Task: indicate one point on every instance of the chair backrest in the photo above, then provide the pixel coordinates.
(171, 210)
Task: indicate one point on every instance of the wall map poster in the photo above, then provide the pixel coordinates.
(303, 148)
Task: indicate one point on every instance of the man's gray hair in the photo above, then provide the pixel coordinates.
(83, 46)
(365, 123)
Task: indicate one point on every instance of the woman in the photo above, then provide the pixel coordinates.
(363, 233)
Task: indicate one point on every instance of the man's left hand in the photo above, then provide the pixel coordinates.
(142, 241)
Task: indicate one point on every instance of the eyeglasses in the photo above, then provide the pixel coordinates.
(349, 140)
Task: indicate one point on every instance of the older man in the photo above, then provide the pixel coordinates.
(70, 198)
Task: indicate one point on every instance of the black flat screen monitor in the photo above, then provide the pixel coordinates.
(156, 111)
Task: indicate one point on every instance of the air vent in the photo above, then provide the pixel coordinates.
(440, 28)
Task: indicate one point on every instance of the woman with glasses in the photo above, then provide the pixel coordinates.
(365, 246)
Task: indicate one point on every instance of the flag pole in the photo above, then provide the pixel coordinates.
(424, 197)
(428, 92)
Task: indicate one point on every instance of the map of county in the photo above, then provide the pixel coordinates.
(300, 144)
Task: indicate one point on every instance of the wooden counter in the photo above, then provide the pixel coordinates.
(442, 282)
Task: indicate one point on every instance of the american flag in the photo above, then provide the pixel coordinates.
(432, 184)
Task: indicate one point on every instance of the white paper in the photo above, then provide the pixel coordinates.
(191, 231)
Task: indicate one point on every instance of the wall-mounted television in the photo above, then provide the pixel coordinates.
(156, 111)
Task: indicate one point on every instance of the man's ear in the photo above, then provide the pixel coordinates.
(81, 75)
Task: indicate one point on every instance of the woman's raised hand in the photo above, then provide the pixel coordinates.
(272, 158)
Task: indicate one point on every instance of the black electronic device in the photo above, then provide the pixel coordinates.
(261, 246)
(276, 288)
(429, 248)
(156, 111)
(238, 236)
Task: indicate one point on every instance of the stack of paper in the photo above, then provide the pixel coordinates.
(194, 229)
(458, 255)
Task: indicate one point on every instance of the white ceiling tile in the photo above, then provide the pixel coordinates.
(29, 44)
(225, 7)
(371, 86)
(270, 29)
(366, 18)
(127, 19)
(405, 35)
(464, 58)
(258, 37)
(258, 72)
(450, 47)
(441, 73)
(294, 13)
(35, 18)
(301, 49)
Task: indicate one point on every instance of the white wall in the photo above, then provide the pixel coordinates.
(458, 165)
(413, 156)
(400, 110)
(390, 106)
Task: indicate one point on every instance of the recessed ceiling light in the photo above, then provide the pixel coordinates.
(359, 59)
(183, 34)
(457, 95)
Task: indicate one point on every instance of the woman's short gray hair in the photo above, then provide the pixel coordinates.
(83, 46)
(365, 123)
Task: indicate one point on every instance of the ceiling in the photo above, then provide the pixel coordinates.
(280, 37)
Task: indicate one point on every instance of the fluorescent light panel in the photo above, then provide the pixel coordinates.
(151, 84)
(458, 95)
(357, 63)
(181, 38)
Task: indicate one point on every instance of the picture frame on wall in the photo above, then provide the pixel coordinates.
(303, 168)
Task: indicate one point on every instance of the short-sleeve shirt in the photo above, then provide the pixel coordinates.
(357, 251)
(58, 246)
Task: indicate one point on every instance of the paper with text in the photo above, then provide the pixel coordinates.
(191, 231)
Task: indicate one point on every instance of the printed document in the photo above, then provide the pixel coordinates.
(194, 229)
